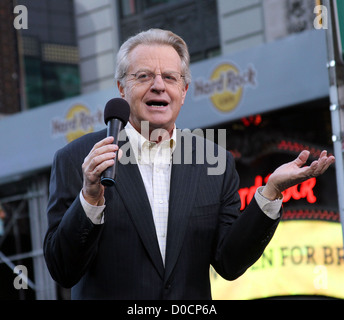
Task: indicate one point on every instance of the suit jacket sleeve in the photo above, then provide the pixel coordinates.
(71, 241)
(241, 237)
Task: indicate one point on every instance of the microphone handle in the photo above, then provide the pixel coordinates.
(115, 126)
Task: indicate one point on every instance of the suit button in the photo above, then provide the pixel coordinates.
(168, 286)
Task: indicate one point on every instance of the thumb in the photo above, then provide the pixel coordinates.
(302, 158)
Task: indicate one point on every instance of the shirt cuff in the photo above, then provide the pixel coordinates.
(270, 208)
(94, 213)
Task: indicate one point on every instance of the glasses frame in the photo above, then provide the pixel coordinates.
(151, 77)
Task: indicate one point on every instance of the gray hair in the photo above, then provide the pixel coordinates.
(153, 36)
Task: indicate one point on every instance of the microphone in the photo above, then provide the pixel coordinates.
(116, 116)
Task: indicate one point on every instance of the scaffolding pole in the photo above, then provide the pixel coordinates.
(45, 286)
(31, 205)
(336, 78)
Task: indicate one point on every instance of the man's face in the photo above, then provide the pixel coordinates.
(156, 101)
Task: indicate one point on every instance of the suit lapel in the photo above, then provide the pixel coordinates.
(184, 181)
(183, 188)
(130, 187)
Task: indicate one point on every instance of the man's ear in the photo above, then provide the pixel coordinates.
(185, 90)
(120, 89)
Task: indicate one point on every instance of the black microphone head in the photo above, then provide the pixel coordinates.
(117, 108)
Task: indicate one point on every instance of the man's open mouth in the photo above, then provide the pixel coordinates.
(156, 103)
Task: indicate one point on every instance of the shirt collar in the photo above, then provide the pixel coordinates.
(136, 139)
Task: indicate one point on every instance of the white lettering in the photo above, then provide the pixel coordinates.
(20, 281)
(20, 21)
(189, 148)
(193, 309)
(144, 310)
(321, 20)
(320, 280)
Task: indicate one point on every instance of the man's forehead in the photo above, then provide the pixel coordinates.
(154, 55)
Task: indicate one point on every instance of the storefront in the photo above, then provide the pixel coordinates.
(306, 256)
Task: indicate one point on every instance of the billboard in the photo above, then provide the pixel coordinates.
(305, 257)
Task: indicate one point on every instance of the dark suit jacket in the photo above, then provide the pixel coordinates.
(120, 259)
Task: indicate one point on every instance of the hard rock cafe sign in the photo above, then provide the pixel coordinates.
(225, 86)
(78, 121)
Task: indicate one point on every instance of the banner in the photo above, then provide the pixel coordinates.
(305, 257)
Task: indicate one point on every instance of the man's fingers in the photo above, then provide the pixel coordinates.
(295, 172)
(105, 141)
(302, 158)
(101, 162)
(325, 163)
(319, 166)
(100, 158)
(99, 147)
(111, 148)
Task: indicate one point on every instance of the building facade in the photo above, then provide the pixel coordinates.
(9, 62)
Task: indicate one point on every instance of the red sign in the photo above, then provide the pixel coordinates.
(303, 190)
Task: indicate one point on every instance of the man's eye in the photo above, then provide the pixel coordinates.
(170, 77)
(142, 76)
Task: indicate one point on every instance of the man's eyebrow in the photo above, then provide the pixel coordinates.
(148, 70)
(144, 70)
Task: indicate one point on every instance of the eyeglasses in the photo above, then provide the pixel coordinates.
(171, 77)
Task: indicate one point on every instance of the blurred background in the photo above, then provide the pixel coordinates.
(270, 72)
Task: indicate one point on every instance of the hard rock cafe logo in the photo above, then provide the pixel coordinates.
(78, 121)
(225, 86)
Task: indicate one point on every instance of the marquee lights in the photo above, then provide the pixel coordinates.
(297, 147)
(303, 190)
(252, 120)
(311, 214)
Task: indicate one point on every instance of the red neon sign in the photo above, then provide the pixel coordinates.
(303, 190)
(254, 120)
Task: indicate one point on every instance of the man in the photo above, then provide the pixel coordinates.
(156, 232)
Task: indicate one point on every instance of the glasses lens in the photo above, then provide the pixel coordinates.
(144, 76)
(171, 77)
(167, 77)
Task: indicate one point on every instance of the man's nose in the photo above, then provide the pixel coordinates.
(158, 83)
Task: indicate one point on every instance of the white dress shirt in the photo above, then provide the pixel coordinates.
(154, 162)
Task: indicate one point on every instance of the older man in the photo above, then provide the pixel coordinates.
(156, 233)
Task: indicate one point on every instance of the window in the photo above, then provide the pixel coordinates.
(48, 82)
(128, 7)
(132, 7)
(196, 21)
(153, 3)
